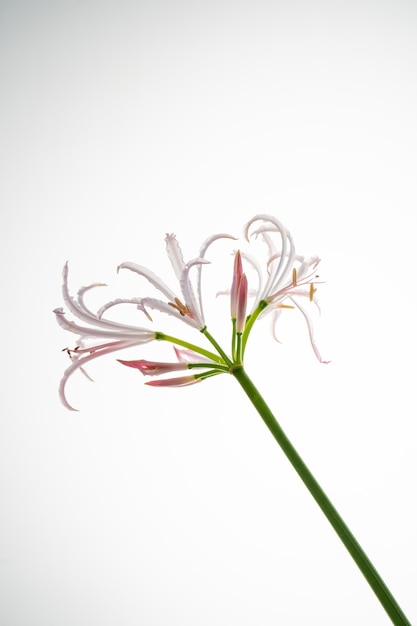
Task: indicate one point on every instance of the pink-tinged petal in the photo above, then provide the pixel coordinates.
(181, 381)
(78, 363)
(154, 368)
(189, 356)
(242, 301)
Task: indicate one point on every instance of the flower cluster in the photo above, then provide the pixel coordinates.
(284, 281)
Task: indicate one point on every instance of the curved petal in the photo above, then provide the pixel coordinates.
(310, 330)
(189, 356)
(150, 276)
(201, 255)
(139, 335)
(80, 362)
(83, 313)
(188, 293)
(109, 305)
(286, 258)
(175, 254)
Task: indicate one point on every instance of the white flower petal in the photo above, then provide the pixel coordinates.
(150, 276)
(175, 255)
(310, 330)
(188, 293)
(109, 305)
(84, 314)
(286, 256)
(164, 307)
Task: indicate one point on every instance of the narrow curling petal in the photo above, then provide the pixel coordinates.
(175, 255)
(150, 276)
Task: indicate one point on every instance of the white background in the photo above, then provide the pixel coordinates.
(122, 121)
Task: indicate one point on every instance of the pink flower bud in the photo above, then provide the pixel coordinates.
(154, 368)
(180, 381)
(242, 301)
(237, 275)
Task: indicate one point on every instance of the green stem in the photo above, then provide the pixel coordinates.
(250, 322)
(362, 561)
(186, 344)
(215, 366)
(220, 350)
(233, 338)
(238, 357)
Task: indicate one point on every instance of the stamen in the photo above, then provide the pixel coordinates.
(69, 351)
(294, 277)
(285, 306)
(181, 308)
(312, 291)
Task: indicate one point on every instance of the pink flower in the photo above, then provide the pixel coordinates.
(288, 278)
(114, 336)
(189, 309)
(284, 281)
(119, 336)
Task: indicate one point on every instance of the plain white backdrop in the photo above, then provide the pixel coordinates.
(122, 121)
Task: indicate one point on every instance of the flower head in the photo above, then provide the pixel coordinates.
(284, 282)
(189, 307)
(114, 336)
(288, 278)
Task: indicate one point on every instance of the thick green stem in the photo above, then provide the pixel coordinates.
(362, 561)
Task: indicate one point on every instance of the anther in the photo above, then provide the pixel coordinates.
(181, 308)
(312, 291)
(294, 277)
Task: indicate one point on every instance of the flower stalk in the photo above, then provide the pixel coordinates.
(375, 581)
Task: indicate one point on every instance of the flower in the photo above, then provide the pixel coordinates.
(116, 336)
(289, 277)
(190, 308)
(119, 336)
(285, 280)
